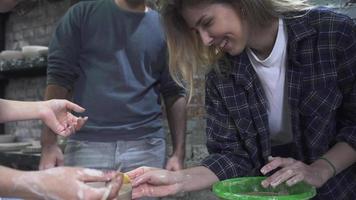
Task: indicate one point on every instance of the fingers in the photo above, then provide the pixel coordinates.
(146, 190)
(276, 162)
(135, 173)
(291, 172)
(109, 192)
(139, 171)
(141, 180)
(74, 107)
(72, 124)
(279, 177)
(145, 175)
(51, 157)
(295, 179)
(116, 184)
(80, 123)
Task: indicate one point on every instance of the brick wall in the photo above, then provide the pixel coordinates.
(31, 23)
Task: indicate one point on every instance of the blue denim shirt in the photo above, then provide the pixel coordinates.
(321, 83)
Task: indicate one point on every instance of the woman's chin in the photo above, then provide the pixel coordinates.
(233, 52)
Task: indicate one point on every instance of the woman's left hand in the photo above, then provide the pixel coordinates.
(293, 171)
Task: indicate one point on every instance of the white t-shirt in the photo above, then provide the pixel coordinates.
(271, 72)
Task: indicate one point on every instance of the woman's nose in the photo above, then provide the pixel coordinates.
(205, 37)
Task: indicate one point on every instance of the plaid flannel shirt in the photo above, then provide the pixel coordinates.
(321, 83)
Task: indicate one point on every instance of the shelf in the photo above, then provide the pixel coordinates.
(23, 67)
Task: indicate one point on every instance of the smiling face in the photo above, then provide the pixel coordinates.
(218, 25)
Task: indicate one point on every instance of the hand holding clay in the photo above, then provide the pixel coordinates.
(66, 183)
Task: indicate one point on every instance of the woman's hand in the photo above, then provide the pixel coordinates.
(56, 114)
(154, 182)
(292, 171)
(67, 183)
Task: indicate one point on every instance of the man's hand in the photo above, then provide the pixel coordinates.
(175, 163)
(52, 156)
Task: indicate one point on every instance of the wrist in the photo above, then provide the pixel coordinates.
(183, 180)
(43, 110)
(180, 179)
(48, 137)
(47, 146)
(27, 184)
(179, 151)
(178, 154)
(324, 170)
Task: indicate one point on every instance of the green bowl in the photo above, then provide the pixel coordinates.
(249, 188)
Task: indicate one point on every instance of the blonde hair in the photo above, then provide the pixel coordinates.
(187, 53)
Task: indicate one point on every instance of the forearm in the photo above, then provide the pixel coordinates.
(19, 110)
(176, 115)
(48, 137)
(341, 156)
(192, 178)
(12, 185)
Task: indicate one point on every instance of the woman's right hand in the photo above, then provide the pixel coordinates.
(66, 183)
(154, 182)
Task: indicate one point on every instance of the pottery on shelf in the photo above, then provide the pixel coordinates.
(34, 51)
(9, 55)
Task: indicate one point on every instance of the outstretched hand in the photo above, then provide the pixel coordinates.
(56, 114)
(154, 182)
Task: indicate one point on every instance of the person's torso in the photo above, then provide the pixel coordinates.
(315, 85)
(122, 56)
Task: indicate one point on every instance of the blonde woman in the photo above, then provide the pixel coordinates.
(280, 98)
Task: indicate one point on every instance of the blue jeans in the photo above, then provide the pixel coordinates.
(119, 155)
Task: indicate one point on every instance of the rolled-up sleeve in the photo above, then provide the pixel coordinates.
(347, 79)
(64, 49)
(227, 156)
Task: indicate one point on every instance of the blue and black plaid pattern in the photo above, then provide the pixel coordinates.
(321, 83)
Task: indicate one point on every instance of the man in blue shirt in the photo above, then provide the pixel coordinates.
(109, 56)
